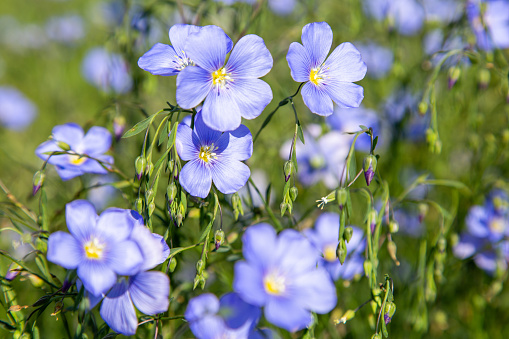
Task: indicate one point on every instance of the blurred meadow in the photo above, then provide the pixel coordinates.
(438, 102)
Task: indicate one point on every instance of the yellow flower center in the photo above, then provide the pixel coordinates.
(274, 284)
(207, 153)
(329, 253)
(77, 160)
(221, 78)
(94, 249)
(315, 76)
(497, 225)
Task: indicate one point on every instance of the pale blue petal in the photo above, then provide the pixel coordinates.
(179, 35)
(68, 173)
(186, 149)
(354, 265)
(115, 224)
(70, 133)
(150, 292)
(317, 100)
(96, 142)
(477, 221)
(206, 135)
(151, 247)
(97, 277)
(250, 58)
(467, 246)
(125, 257)
(345, 64)
(201, 306)
(208, 48)
(299, 62)
(64, 250)
(45, 147)
(209, 327)
(221, 110)
(196, 178)
(91, 166)
(317, 39)
(229, 175)
(344, 94)
(252, 96)
(81, 219)
(287, 314)
(259, 244)
(327, 228)
(248, 283)
(118, 312)
(159, 60)
(295, 253)
(314, 290)
(238, 312)
(487, 261)
(193, 85)
(237, 144)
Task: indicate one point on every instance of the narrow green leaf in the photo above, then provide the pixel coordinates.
(173, 135)
(300, 133)
(7, 326)
(375, 141)
(363, 127)
(164, 133)
(138, 128)
(207, 229)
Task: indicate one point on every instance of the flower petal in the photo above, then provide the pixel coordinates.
(196, 178)
(259, 244)
(125, 258)
(229, 175)
(70, 133)
(81, 219)
(208, 48)
(193, 85)
(97, 277)
(317, 39)
(315, 291)
(150, 292)
(64, 250)
(206, 135)
(151, 246)
(237, 144)
(45, 147)
(252, 96)
(250, 58)
(299, 62)
(115, 224)
(159, 60)
(186, 149)
(97, 141)
(68, 173)
(345, 64)
(209, 327)
(287, 314)
(317, 100)
(201, 306)
(248, 283)
(344, 94)
(241, 314)
(118, 312)
(93, 166)
(221, 110)
(179, 35)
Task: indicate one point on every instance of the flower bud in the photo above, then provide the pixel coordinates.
(293, 193)
(349, 315)
(218, 238)
(200, 265)
(283, 206)
(368, 266)
(442, 244)
(341, 251)
(149, 169)
(369, 167)
(149, 194)
(139, 164)
(288, 169)
(341, 197)
(393, 226)
(139, 205)
(180, 218)
(12, 272)
(37, 181)
(392, 248)
(63, 146)
(348, 233)
(376, 336)
(390, 309)
(423, 107)
(118, 126)
(235, 200)
(453, 76)
(173, 264)
(171, 191)
(423, 211)
(372, 220)
(197, 280)
(484, 78)
(151, 208)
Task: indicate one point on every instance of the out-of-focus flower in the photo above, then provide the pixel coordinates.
(65, 29)
(18, 37)
(71, 137)
(148, 27)
(349, 119)
(330, 78)
(16, 111)
(406, 16)
(280, 273)
(321, 158)
(99, 247)
(434, 44)
(324, 236)
(491, 25)
(230, 91)
(409, 222)
(280, 7)
(487, 225)
(213, 156)
(169, 60)
(147, 290)
(227, 318)
(101, 195)
(107, 71)
(401, 109)
(378, 59)
(444, 11)
(259, 178)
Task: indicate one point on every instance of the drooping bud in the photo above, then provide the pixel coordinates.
(288, 169)
(423, 107)
(149, 169)
(119, 124)
(173, 264)
(423, 211)
(139, 164)
(341, 197)
(218, 238)
(484, 78)
(348, 233)
(196, 281)
(180, 218)
(171, 191)
(63, 146)
(293, 193)
(341, 251)
(390, 309)
(37, 181)
(442, 244)
(139, 205)
(369, 167)
(150, 195)
(283, 206)
(12, 272)
(372, 220)
(391, 248)
(393, 226)
(151, 208)
(200, 265)
(453, 76)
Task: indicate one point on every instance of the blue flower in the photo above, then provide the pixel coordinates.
(230, 91)
(226, 318)
(99, 247)
(407, 16)
(378, 59)
(444, 11)
(169, 60)
(213, 156)
(280, 7)
(491, 26)
(95, 143)
(325, 239)
(107, 71)
(280, 273)
(148, 290)
(327, 79)
(65, 29)
(16, 111)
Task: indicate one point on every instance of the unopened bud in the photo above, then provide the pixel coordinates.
(390, 309)
(197, 280)
(151, 208)
(149, 169)
(171, 191)
(341, 251)
(235, 200)
(37, 181)
(288, 169)
(218, 238)
(118, 126)
(348, 233)
(283, 206)
(63, 146)
(200, 265)
(350, 314)
(372, 220)
(368, 267)
(180, 218)
(453, 76)
(393, 226)
(293, 193)
(12, 272)
(139, 205)
(423, 107)
(149, 194)
(442, 244)
(505, 136)
(376, 336)
(423, 211)
(173, 264)
(369, 167)
(139, 164)
(392, 248)
(341, 197)
(484, 78)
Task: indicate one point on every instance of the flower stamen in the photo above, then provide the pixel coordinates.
(274, 283)
(207, 153)
(221, 78)
(94, 248)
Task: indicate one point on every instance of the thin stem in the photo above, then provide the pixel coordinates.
(16, 202)
(267, 207)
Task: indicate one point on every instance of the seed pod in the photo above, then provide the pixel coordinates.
(369, 167)
(171, 191)
(173, 264)
(139, 165)
(341, 197)
(293, 193)
(200, 265)
(37, 181)
(341, 251)
(218, 238)
(348, 233)
(393, 226)
(288, 169)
